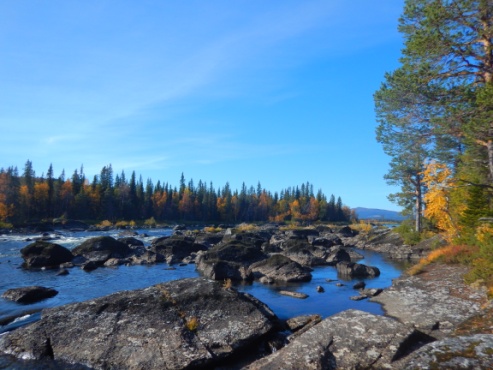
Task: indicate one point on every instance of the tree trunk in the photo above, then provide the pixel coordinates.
(489, 147)
(419, 204)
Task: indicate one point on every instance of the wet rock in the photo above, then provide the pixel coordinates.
(302, 323)
(176, 248)
(368, 293)
(62, 272)
(113, 262)
(148, 257)
(179, 228)
(327, 241)
(255, 239)
(190, 323)
(159, 239)
(229, 261)
(131, 241)
(126, 233)
(102, 248)
(355, 256)
(266, 280)
(351, 269)
(27, 295)
(357, 297)
(320, 289)
(301, 251)
(280, 268)
(209, 239)
(67, 265)
(44, 254)
(293, 294)
(337, 255)
(189, 259)
(359, 285)
(276, 243)
(89, 266)
(71, 225)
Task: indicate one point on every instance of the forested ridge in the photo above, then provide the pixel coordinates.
(28, 198)
(435, 115)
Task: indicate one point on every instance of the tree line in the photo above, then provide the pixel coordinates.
(26, 198)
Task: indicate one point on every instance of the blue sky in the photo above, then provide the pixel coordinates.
(277, 91)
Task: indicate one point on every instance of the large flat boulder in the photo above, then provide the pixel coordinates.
(435, 301)
(349, 340)
(190, 323)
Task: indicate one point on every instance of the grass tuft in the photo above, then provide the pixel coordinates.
(228, 283)
(192, 324)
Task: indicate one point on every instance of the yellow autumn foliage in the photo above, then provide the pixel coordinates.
(438, 179)
(484, 233)
(362, 226)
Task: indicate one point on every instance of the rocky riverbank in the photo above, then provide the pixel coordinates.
(433, 320)
(199, 323)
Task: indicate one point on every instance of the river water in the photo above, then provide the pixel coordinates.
(79, 285)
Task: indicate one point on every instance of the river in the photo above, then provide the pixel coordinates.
(79, 285)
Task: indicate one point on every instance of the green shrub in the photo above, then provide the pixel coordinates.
(408, 233)
(5, 225)
(151, 222)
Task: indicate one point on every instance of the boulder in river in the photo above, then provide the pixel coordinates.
(44, 254)
(281, 268)
(148, 257)
(338, 254)
(189, 323)
(327, 241)
(30, 294)
(176, 248)
(289, 293)
(131, 241)
(102, 248)
(229, 261)
(351, 269)
(304, 253)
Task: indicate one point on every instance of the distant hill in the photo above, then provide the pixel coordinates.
(378, 214)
